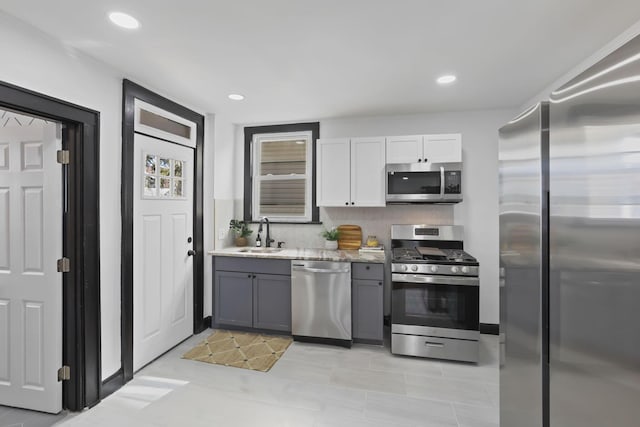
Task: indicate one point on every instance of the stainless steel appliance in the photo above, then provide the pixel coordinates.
(434, 294)
(321, 301)
(424, 183)
(570, 253)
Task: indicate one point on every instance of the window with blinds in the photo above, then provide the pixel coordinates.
(282, 167)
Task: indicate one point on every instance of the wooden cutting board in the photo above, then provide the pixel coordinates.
(350, 237)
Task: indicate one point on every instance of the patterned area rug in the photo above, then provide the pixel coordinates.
(240, 349)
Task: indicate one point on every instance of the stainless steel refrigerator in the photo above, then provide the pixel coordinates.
(570, 253)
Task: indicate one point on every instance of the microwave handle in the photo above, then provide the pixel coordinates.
(442, 181)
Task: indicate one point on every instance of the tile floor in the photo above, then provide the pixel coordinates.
(14, 417)
(312, 385)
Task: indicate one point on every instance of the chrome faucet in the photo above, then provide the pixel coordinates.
(267, 239)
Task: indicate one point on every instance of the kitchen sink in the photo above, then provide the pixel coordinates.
(260, 250)
(265, 250)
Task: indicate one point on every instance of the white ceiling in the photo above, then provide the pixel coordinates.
(313, 59)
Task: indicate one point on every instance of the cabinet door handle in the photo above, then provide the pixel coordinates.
(353, 203)
(368, 267)
(346, 203)
(191, 252)
(379, 283)
(249, 276)
(425, 159)
(420, 160)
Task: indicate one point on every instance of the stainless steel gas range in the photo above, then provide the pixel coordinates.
(435, 293)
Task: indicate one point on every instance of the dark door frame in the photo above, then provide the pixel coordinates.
(81, 239)
(132, 91)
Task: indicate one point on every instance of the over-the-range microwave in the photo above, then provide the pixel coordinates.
(424, 183)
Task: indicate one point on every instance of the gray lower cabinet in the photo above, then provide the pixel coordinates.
(254, 298)
(272, 302)
(234, 298)
(367, 304)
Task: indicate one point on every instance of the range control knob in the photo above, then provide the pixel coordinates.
(433, 268)
(454, 269)
(465, 270)
(404, 267)
(414, 268)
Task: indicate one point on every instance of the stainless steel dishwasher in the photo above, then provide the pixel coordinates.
(321, 301)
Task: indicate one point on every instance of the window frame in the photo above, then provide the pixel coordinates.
(257, 143)
(252, 133)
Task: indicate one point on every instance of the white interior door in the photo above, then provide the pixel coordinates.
(30, 286)
(162, 227)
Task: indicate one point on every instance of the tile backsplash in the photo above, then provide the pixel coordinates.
(373, 221)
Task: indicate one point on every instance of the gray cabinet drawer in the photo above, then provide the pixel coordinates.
(367, 271)
(254, 265)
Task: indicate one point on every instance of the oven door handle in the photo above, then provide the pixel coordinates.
(435, 280)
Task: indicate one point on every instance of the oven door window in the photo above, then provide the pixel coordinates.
(439, 306)
(414, 182)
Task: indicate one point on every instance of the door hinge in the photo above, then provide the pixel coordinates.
(64, 266)
(64, 373)
(63, 157)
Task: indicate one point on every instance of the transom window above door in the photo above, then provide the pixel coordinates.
(164, 178)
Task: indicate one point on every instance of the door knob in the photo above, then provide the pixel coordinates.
(191, 252)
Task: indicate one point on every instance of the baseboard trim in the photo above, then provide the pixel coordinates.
(489, 328)
(111, 384)
(367, 341)
(207, 322)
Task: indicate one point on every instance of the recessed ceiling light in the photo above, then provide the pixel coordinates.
(446, 79)
(236, 97)
(123, 20)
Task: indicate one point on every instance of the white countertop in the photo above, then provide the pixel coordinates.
(301, 253)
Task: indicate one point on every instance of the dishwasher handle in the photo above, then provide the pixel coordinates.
(320, 270)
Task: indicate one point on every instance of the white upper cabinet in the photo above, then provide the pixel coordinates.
(333, 172)
(350, 172)
(404, 149)
(443, 148)
(367, 171)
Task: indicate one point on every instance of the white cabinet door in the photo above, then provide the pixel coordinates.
(162, 228)
(367, 171)
(333, 165)
(30, 285)
(404, 149)
(443, 148)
